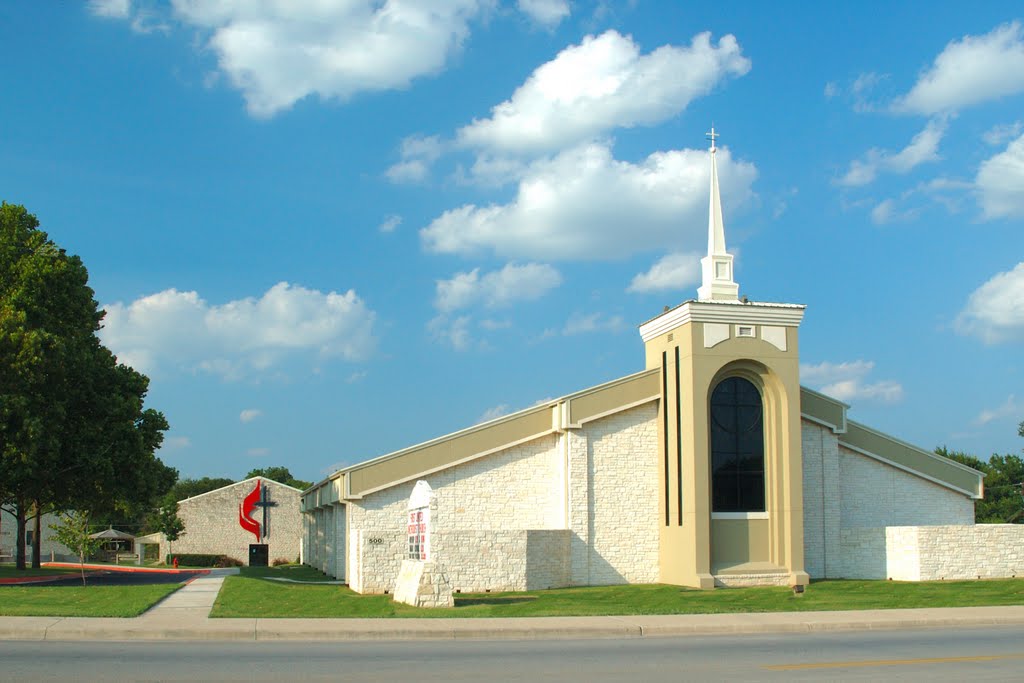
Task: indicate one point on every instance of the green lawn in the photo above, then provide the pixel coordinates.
(292, 572)
(7, 571)
(243, 596)
(80, 601)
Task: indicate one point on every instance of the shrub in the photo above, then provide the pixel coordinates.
(201, 560)
(279, 561)
(225, 561)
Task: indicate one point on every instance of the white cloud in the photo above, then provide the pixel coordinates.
(390, 223)
(922, 148)
(997, 135)
(600, 84)
(672, 271)
(356, 377)
(585, 323)
(180, 330)
(846, 382)
(972, 70)
(249, 414)
(494, 413)
(1000, 182)
(174, 443)
(277, 53)
(258, 452)
(887, 211)
(453, 332)
(498, 288)
(114, 9)
(547, 13)
(831, 90)
(995, 311)
(1009, 408)
(583, 204)
(418, 154)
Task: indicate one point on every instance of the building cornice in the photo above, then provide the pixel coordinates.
(735, 312)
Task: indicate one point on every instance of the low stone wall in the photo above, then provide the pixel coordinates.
(476, 560)
(933, 553)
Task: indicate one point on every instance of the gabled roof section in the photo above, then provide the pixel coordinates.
(910, 458)
(238, 483)
(567, 412)
(831, 413)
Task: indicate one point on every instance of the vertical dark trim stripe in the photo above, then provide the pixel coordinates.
(664, 426)
(679, 445)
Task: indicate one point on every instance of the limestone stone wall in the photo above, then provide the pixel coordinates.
(822, 499)
(211, 523)
(959, 552)
(933, 553)
(512, 560)
(621, 490)
(850, 498)
(517, 488)
(875, 494)
(504, 522)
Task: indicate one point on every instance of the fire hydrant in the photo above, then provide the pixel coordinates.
(175, 563)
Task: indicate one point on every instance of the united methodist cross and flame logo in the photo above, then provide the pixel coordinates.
(259, 497)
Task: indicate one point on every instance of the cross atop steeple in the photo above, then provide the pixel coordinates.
(711, 136)
(716, 282)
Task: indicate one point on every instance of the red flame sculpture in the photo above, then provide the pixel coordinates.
(245, 511)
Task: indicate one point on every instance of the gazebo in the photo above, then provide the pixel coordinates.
(115, 542)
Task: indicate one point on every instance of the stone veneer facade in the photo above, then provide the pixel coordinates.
(555, 511)
(849, 500)
(565, 509)
(211, 523)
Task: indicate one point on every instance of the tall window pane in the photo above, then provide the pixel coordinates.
(737, 447)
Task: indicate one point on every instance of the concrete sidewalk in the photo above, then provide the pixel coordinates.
(185, 619)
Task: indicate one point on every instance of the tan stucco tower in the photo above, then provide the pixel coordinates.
(730, 477)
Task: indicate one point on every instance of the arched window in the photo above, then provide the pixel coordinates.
(737, 447)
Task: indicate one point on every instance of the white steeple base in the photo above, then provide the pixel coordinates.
(718, 285)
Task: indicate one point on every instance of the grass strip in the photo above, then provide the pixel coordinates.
(8, 571)
(243, 596)
(293, 572)
(81, 601)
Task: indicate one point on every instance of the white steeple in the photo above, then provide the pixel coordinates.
(716, 268)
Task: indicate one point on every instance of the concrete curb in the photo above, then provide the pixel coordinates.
(154, 628)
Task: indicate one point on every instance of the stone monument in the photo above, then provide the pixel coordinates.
(422, 580)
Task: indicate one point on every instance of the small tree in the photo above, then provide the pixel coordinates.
(168, 523)
(73, 532)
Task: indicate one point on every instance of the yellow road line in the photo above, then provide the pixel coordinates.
(890, 662)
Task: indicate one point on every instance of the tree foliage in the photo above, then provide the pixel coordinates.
(73, 532)
(167, 522)
(1003, 502)
(74, 432)
(280, 475)
(188, 488)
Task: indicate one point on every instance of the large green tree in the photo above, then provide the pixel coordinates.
(74, 433)
(281, 475)
(1004, 485)
(188, 488)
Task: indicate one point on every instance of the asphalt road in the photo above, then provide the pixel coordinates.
(933, 655)
(114, 578)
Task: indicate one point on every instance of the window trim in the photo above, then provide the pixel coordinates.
(739, 515)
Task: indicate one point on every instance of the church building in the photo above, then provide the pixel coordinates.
(709, 467)
(254, 521)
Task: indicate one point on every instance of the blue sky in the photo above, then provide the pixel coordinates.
(329, 229)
